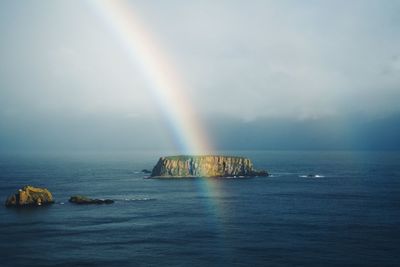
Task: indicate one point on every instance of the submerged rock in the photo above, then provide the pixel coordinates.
(146, 171)
(86, 200)
(30, 196)
(205, 166)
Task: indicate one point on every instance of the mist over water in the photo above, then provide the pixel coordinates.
(115, 133)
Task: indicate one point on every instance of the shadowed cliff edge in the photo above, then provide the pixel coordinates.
(204, 166)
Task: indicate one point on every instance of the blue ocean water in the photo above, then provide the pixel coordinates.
(349, 215)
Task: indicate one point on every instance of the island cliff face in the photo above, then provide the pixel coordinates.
(205, 166)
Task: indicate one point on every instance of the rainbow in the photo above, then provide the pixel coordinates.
(167, 88)
(169, 92)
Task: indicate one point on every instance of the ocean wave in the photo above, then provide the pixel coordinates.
(312, 176)
(123, 200)
(280, 174)
(233, 177)
(139, 199)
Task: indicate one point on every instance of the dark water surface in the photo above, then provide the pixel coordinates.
(349, 216)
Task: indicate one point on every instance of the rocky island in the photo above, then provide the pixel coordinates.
(30, 196)
(85, 200)
(204, 166)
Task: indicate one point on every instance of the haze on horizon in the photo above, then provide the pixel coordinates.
(261, 74)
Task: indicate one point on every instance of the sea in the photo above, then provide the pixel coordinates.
(317, 208)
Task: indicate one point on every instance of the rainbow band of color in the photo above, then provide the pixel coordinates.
(167, 89)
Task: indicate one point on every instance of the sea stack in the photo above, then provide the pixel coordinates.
(204, 166)
(30, 196)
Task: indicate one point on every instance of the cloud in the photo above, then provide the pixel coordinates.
(284, 59)
(240, 59)
(246, 61)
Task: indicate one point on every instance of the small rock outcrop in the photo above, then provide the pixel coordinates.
(30, 196)
(205, 166)
(86, 200)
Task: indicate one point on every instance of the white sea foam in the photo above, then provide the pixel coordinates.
(312, 176)
(139, 199)
(275, 175)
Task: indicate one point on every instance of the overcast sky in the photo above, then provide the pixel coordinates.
(243, 60)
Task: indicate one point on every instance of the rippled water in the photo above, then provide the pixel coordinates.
(347, 213)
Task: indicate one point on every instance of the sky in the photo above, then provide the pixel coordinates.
(258, 74)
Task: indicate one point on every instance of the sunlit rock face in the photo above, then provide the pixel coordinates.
(205, 166)
(30, 196)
